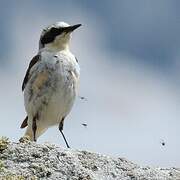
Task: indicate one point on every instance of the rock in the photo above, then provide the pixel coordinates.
(29, 160)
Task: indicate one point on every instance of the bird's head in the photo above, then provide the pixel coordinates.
(57, 36)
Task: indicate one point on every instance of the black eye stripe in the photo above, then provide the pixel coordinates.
(51, 35)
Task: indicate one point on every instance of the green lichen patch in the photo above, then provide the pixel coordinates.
(4, 142)
(16, 177)
(1, 166)
(12, 177)
(24, 139)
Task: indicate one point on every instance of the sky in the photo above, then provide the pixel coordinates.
(129, 57)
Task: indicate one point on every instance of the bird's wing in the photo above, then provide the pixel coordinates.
(34, 60)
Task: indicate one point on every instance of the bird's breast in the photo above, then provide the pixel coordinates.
(52, 87)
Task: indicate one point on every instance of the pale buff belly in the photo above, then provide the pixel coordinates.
(58, 107)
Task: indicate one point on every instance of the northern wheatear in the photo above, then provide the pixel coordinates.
(51, 81)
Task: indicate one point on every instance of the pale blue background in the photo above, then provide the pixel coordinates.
(129, 54)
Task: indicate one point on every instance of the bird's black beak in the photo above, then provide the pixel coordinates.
(71, 28)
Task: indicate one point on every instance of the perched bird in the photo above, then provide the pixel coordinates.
(51, 81)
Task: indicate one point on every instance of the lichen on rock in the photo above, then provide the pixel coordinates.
(4, 141)
(29, 160)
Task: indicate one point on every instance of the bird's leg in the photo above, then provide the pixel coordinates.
(60, 129)
(34, 127)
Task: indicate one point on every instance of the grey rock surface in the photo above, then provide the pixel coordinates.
(30, 160)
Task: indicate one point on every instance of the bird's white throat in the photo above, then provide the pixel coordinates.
(60, 43)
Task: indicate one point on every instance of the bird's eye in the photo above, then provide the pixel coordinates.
(54, 30)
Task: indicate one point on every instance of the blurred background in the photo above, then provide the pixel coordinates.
(129, 55)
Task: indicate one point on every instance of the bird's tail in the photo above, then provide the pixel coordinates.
(39, 131)
(24, 123)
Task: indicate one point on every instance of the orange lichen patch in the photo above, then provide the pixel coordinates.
(39, 81)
